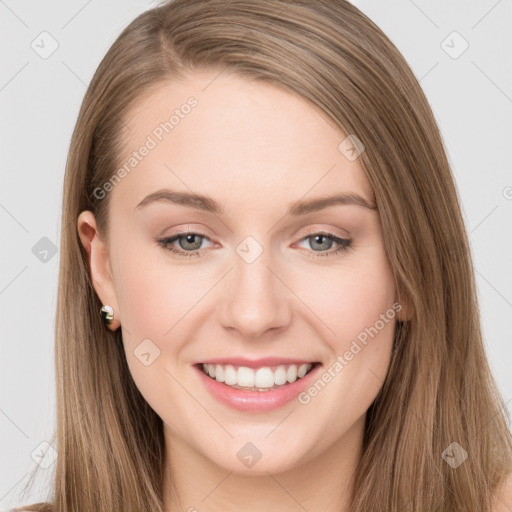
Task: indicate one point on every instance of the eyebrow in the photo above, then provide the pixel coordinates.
(298, 208)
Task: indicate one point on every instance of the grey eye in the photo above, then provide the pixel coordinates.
(189, 243)
(320, 242)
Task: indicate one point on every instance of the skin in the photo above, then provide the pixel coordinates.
(255, 149)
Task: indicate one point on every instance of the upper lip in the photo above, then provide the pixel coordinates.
(256, 363)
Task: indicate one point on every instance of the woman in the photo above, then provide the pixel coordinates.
(266, 296)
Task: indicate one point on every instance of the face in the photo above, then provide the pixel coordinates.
(254, 281)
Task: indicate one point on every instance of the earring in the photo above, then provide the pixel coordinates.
(107, 314)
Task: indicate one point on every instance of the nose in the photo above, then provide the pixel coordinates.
(255, 300)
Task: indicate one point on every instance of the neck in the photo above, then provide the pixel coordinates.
(323, 482)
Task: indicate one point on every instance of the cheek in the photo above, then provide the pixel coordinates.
(350, 298)
(146, 304)
(357, 304)
(158, 299)
(152, 299)
(153, 293)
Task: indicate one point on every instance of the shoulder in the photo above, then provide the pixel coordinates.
(34, 507)
(503, 498)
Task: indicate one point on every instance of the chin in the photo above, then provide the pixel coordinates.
(252, 459)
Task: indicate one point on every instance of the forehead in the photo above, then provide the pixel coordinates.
(246, 143)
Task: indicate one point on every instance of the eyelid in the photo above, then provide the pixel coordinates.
(179, 230)
(301, 234)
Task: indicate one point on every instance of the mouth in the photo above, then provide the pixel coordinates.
(257, 378)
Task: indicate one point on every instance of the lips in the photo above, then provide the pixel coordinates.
(256, 385)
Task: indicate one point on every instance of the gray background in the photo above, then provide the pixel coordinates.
(40, 97)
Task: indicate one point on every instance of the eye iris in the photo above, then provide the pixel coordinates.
(316, 237)
(189, 239)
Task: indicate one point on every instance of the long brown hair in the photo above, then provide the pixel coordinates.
(439, 389)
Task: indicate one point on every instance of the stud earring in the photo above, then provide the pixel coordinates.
(107, 314)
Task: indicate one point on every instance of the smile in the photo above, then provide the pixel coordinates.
(260, 386)
(261, 379)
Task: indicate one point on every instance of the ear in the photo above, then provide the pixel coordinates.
(99, 264)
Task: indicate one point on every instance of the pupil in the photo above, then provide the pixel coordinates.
(189, 239)
(318, 240)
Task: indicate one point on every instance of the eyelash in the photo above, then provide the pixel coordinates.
(344, 244)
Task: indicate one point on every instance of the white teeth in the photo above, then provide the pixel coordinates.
(264, 378)
(303, 368)
(245, 377)
(291, 374)
(219, 373)
(261, 378)
(230, 376)
(280, 376)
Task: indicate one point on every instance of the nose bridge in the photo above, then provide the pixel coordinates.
(255, 300)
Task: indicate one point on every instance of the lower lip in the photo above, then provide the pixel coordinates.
(257, 401)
